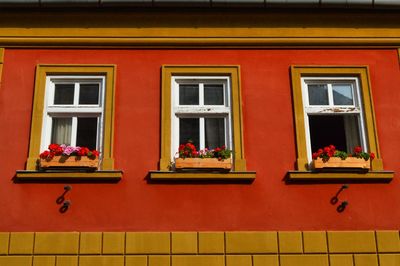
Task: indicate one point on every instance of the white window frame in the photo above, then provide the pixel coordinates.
(200, 111)
(74, 110)
(356, 108)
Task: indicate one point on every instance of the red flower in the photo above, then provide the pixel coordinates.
(53, 147)
(217, 149)
(83, 151)
(327, 149)
(45, 155)
(181, 147)
(315, 155)
(332, 147)
(58, 151)
(357, 149)
(372, 155)
(95, 153)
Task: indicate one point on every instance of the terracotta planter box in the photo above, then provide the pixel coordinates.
(203, 163)
(70, 162)
(336, 162)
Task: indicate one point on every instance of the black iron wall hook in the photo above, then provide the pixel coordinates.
(335, 199)
(342, 206)
(61, 198)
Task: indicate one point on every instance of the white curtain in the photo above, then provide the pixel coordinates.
(352, 132)
(61, 131)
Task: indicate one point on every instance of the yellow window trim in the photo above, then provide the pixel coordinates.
(42, 71)
(370, 125)
(1, 61)
(168, 71)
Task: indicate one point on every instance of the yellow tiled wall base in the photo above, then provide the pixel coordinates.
(295, 248)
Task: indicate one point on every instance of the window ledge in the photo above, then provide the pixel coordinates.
(201, 176)
(326, 177)
(109, 176)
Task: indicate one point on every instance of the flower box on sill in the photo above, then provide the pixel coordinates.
(203, 163)
(61, 161)
(337, 162)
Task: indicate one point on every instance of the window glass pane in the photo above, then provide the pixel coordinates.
(188, 94)
(89, 94)
(318, 94)
(342, 94)
(64, 93)
(213, 94)
(86, 134)
(189, 130)
(334, 129)
(215, 132)
(61, 131)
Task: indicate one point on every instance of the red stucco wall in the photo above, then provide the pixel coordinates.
(134, 204)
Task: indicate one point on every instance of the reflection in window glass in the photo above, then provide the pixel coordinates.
(86, 134)
(189, 130)
(318, 94)
(215, 132)
(342, 94)
(89, 94)
(64, 94)
(61, 130)
(188, 94)
(213, 94)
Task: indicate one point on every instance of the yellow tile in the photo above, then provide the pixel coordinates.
(251, 242)
(199, 260)
(351, 241)
(4, 239)
(184, 242)
(90, 243)
(21, 243)
(159, 260)
(16, 260)
(101, 260)
(136, 261)
(314, 242)
(290, 242)
(56, 243)
(211, 243)
(67, 261)
(365, 260)
(389, 259)
(44, 261)
(304, 260)
(147, 243)
(388, 241)
(113, 243)
(265, 260)
(238, 260)
(341, 260)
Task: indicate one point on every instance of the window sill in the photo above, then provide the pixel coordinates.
(326, 177)
(201, 176)
(110, 176)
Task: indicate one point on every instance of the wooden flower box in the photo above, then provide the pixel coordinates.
(202, 163)
(336, 162)
(70, 162)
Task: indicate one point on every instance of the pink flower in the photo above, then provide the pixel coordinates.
(68, 150)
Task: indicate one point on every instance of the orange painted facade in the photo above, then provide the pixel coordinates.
(135, 204)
